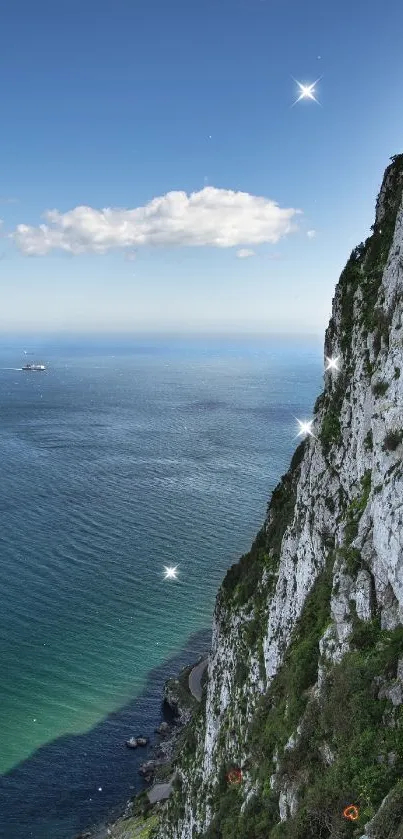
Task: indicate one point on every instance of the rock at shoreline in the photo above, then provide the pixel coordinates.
(133, 742)
(148, 768)
(176, 699)
(163, 729)
(177, 702)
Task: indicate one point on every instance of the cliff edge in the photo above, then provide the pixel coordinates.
(302, 714)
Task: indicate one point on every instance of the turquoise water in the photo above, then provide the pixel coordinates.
(118, 460)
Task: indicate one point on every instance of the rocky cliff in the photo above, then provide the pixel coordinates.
(302, 715)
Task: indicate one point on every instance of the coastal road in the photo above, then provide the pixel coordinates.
(195, 676)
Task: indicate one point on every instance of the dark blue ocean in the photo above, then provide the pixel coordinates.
(121, 458)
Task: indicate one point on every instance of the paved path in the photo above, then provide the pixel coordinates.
(159, 792)
(195, 676)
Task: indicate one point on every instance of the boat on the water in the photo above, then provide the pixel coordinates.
(34, 367)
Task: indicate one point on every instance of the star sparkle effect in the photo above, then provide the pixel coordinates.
(170, 573)
(332, 363)
(306, 91)
(305, 427)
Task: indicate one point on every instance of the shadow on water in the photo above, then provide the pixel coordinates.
(77, 781)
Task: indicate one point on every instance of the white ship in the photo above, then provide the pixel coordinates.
(34, 367)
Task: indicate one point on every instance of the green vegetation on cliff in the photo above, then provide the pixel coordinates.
(363, 733)
(135, 827)
(364, 269)
(359, 307)
(241, 580)
(349, 748)
(276, 718)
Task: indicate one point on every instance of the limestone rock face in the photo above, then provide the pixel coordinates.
(288, 801)
(362, 595)
(340, 506)
(173, 698)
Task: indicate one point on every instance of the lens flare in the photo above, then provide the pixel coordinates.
(307, 91)
(170, 573)
(305, 427)
(332, 363)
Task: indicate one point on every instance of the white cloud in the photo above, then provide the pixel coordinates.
(218, 218)
(311, 234)
(243, 253)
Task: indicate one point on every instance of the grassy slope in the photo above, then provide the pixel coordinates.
(133, 828)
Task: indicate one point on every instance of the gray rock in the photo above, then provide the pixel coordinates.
(149, 767)
(362, 595)
(164, 728)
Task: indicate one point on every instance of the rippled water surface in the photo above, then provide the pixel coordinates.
(116, 461)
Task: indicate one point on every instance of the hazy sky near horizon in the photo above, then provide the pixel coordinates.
(155, 174)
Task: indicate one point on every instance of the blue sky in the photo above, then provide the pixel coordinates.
(114, 104)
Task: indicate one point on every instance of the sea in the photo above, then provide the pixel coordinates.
(125, 456)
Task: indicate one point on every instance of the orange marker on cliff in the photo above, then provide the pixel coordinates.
(351, 812)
